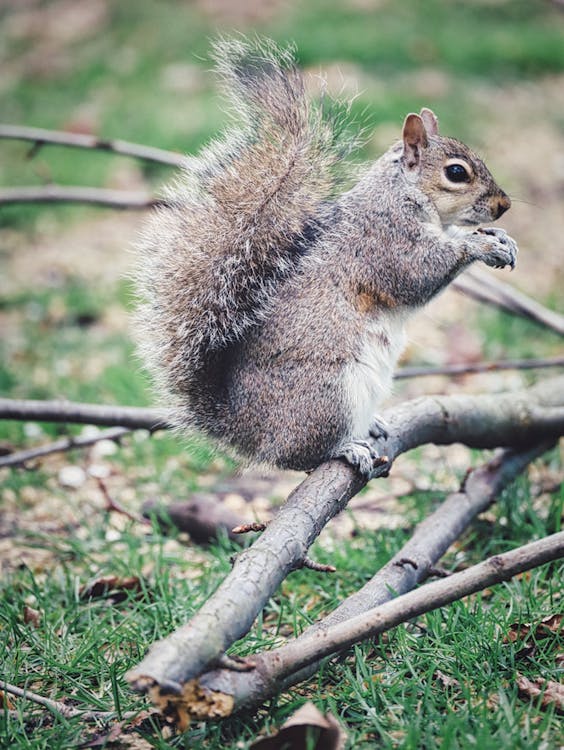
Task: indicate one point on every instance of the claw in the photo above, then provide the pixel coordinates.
(362, 456)
(379, 428)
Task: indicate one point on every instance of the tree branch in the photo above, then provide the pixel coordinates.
(476, 367)
(133, 417)
(61, 708)
(505, 419)
(41, 137)
(428, 544)
(17, 458)
(120, 199)
(483, 287)
(325, 641)
(147, 418)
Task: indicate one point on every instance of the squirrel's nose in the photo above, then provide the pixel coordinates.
(500, 205)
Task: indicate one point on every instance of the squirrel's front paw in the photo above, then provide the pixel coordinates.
(499, 249)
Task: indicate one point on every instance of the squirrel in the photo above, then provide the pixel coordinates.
(274, 295)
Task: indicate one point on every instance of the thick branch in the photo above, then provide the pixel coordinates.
(483, 287)
(408, 567)
(133, 417)
(506, 419)
(121, 199)
(42, 137)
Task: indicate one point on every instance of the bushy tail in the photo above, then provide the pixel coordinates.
(240, 216)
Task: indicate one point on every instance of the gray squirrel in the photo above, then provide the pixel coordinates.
(275, 300)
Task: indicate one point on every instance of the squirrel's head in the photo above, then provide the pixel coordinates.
(452, 176)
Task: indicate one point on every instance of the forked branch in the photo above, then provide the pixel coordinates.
(41, 137)
(408, 567)
(508, 419)
(329, 640)
(120, 199)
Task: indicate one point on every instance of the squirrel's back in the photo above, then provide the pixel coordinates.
(238, 219)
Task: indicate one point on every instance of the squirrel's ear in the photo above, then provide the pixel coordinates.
(414, 139)
(430, 121)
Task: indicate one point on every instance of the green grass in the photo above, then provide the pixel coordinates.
(60, 342)
(386, 693)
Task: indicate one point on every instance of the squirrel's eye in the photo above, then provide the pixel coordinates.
(457, 173)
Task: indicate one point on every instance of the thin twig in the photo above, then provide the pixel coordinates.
(476, 367)
(307, 562)
(114, 505)
(133, 417)
(245, 528)
(19, 458)
(484, 287)
(61, 708)
(120, 199)
(41, 137)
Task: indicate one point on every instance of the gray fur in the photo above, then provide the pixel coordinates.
(274, 308)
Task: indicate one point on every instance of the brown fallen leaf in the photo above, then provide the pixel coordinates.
(204, 517)
(111, 587)
(550, 692)
(6, 701)
(101, 739)
(521, 631)
(306, 729)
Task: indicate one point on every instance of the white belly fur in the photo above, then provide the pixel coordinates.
(369, 378)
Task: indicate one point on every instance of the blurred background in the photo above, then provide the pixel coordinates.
(493, 71)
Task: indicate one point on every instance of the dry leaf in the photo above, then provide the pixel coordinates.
(101, 739)
(552, 692)
(304, 727)
(545, 628)
(122, 732)
(6, 701)
(112, 587)
(492, 701)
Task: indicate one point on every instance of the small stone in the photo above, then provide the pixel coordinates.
(99, 471)
(104, 448)
(32, 430)
(72, 477)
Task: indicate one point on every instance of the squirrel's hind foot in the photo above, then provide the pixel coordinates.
(361, 455)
